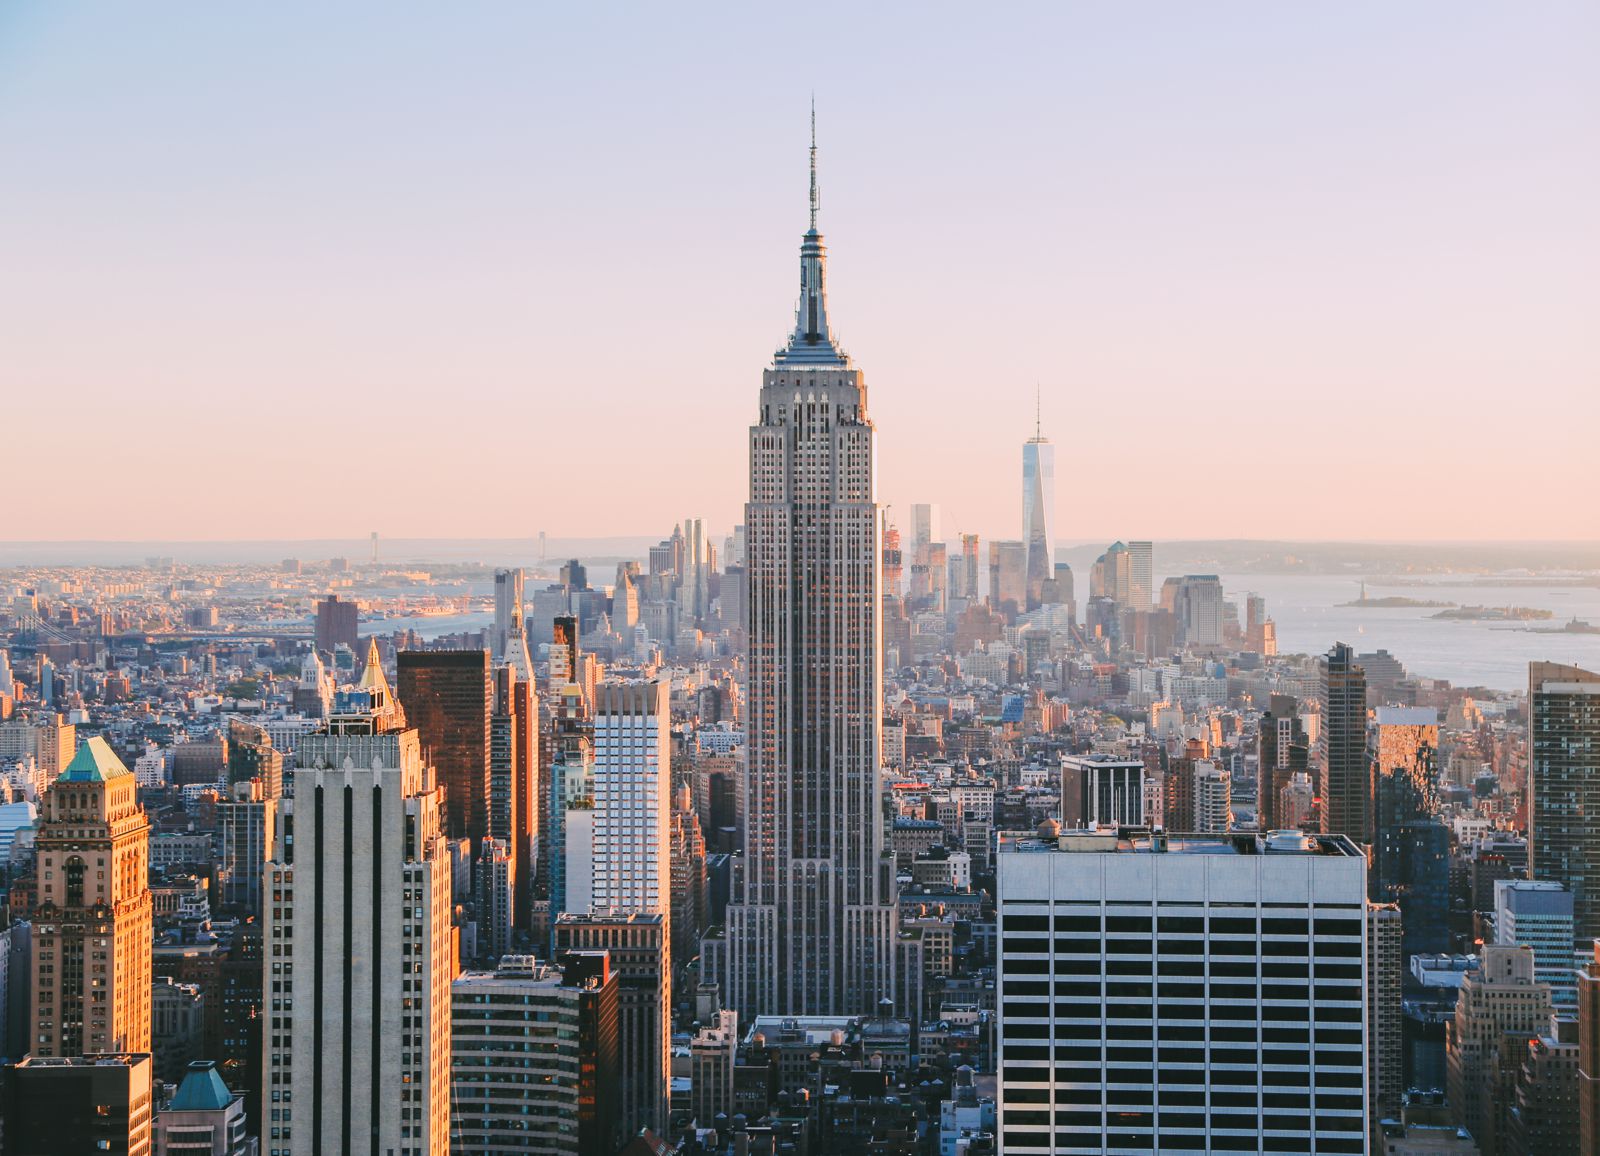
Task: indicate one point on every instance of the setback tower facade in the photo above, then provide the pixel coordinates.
(814, 930)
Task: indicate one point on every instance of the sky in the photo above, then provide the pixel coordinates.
(1293, 271)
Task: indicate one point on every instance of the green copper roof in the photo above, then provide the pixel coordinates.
(95, 762)
(202, 1090)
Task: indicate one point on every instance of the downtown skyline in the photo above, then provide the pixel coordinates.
(1158, 230)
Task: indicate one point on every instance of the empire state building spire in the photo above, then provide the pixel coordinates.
(811, 343)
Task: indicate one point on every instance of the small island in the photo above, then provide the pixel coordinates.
(1496, 614)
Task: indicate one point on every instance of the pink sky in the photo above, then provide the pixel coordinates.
(1281, 271)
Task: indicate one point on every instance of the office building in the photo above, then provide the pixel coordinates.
(813, 930)
(691, 901)
(1008, 577)
(246, 827)
(508, 601)
(1213, 797)
(1501, 997)
(639, 954)
(494, 884)
(1540, 1106)
(1588, 1079)
(92, 929)
(337, 625)
(566, 655)
(713, 1053)
(1385, 1035)
(924, 526)
(1111, 576)
(1538, 915)
(1197, 607)
(251, 755)
(534, 1058)
(1100, 789)
(359, 950)
(1156, 993)
(1038, 513)
(632, 798)
(203, 1118)
(448, 698)
(1141, 575)
(570, 842)
(51, 741)
(514, 779)
(1564, 786)
(966, 577)
(1345, 772)
(1281, 753)
(1410, 843)
(58, 1105)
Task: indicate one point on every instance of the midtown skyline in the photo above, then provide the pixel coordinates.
(1175, 211)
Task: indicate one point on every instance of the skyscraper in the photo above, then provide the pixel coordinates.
(514, 781)
(356, 1044)
(337, 624)
(1385, 1044)
(1410, 843)
(639, 952)
(509, 635)
(1564, 786)
(924, 527)
(92, 930)
(632, 798)
(1501, 996)
(1141, 575)
(814, 930)
(1008, 577)
(968, 584)
(1281, 752)
(245, 829)
(535, 1057)
(448, 698)
(1038, 511)
(1346, 774)
(1538, 915)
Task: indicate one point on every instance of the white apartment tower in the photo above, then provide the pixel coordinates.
(359, 954)
(813, 932)
(632, 798)
(1181, 994)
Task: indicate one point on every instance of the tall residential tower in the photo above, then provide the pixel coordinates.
(814, 930)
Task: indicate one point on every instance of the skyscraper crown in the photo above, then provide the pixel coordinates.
(811, 343)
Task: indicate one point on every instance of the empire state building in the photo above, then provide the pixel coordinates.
(812, 931)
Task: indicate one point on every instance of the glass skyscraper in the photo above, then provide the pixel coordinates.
(1564, 786)
(1038, 512)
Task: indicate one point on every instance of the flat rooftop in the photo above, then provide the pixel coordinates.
(1145, 841)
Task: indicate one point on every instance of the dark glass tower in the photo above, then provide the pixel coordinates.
(448, 697)
(1564, 786)
(1346, 773)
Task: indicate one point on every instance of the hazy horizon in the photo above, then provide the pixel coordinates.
(1281, 273)
(1327, 557)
